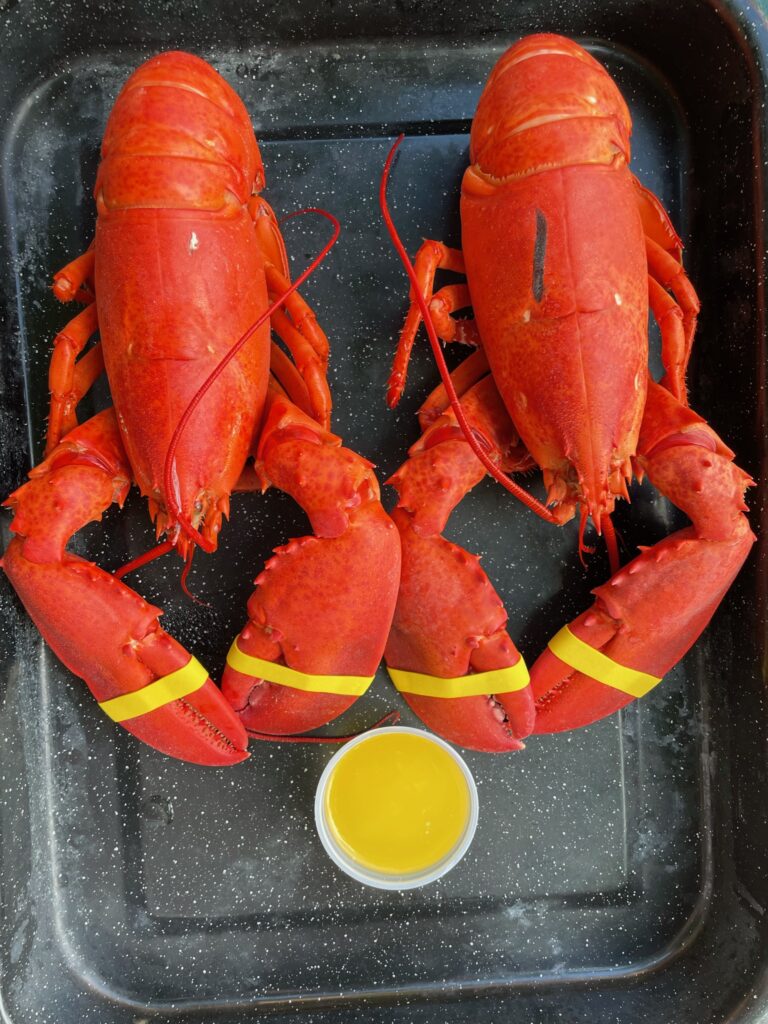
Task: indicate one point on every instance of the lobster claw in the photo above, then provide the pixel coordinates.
(101, 629)
(489, 711)
(449, 653)
(274, 699)
(648, 615)
(622, 647)
(141, 676)
(306, 654)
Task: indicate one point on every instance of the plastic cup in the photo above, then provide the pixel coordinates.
(383, 878)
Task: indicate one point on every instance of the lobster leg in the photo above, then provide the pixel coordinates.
(69, 281)
(677, 320)
(289, 379)
(271, 242)
(431, 257)
(656, 222)
(67, 346)
(668, 272)
(100, 628)
(323, 604)
(87, 371)
(449, 622)
(268, 233)
(298, 328)
(69, 380)
(468, 372)
(301, 313)
(669, 317)
(652, 611)
(309, 365)
(449, 328)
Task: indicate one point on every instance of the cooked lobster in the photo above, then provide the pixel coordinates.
(185, 281)
(563, 252)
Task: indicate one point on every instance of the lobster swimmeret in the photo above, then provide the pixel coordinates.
(563, 250)
(186, 260)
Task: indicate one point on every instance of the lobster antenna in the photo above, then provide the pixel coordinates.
(185, 577)
(148, 556)
(583, 548)
(609, 533)
(520, 493)
(173, 506)
(391, 718)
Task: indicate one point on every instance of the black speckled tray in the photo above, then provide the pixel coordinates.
(619, 873)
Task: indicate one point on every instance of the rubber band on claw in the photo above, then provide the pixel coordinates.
(566, 646)
(156, 695)
(479, 684)
(272, 672)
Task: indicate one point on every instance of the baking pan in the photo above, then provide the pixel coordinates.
(619, 872)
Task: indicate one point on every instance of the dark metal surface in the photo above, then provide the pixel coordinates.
(619, 873)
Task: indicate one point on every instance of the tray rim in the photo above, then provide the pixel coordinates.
(753, 41)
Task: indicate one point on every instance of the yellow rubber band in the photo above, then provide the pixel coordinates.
(346, 686)
(580, 656)
(156, 695)
(498, 680)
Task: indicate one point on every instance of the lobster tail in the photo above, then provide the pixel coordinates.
(178, 137)
(548, 104)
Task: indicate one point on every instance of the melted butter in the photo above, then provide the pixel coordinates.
(397, 803)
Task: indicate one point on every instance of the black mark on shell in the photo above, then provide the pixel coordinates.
(539, 252)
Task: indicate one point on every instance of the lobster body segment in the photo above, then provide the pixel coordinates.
(178, 138)
(547, 104)
(567, 337)
(158, 352)
(179, 164)
(564, 254)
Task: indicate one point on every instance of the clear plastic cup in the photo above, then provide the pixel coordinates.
(369, 874)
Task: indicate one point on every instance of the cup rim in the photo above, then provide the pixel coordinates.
(379, 880)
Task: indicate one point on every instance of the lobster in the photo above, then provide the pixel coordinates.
(563, 252)
(185, 281)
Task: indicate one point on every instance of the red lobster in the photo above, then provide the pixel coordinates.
(183, 282)
(563, 250)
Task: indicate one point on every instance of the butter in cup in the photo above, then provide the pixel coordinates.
(396, 808)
